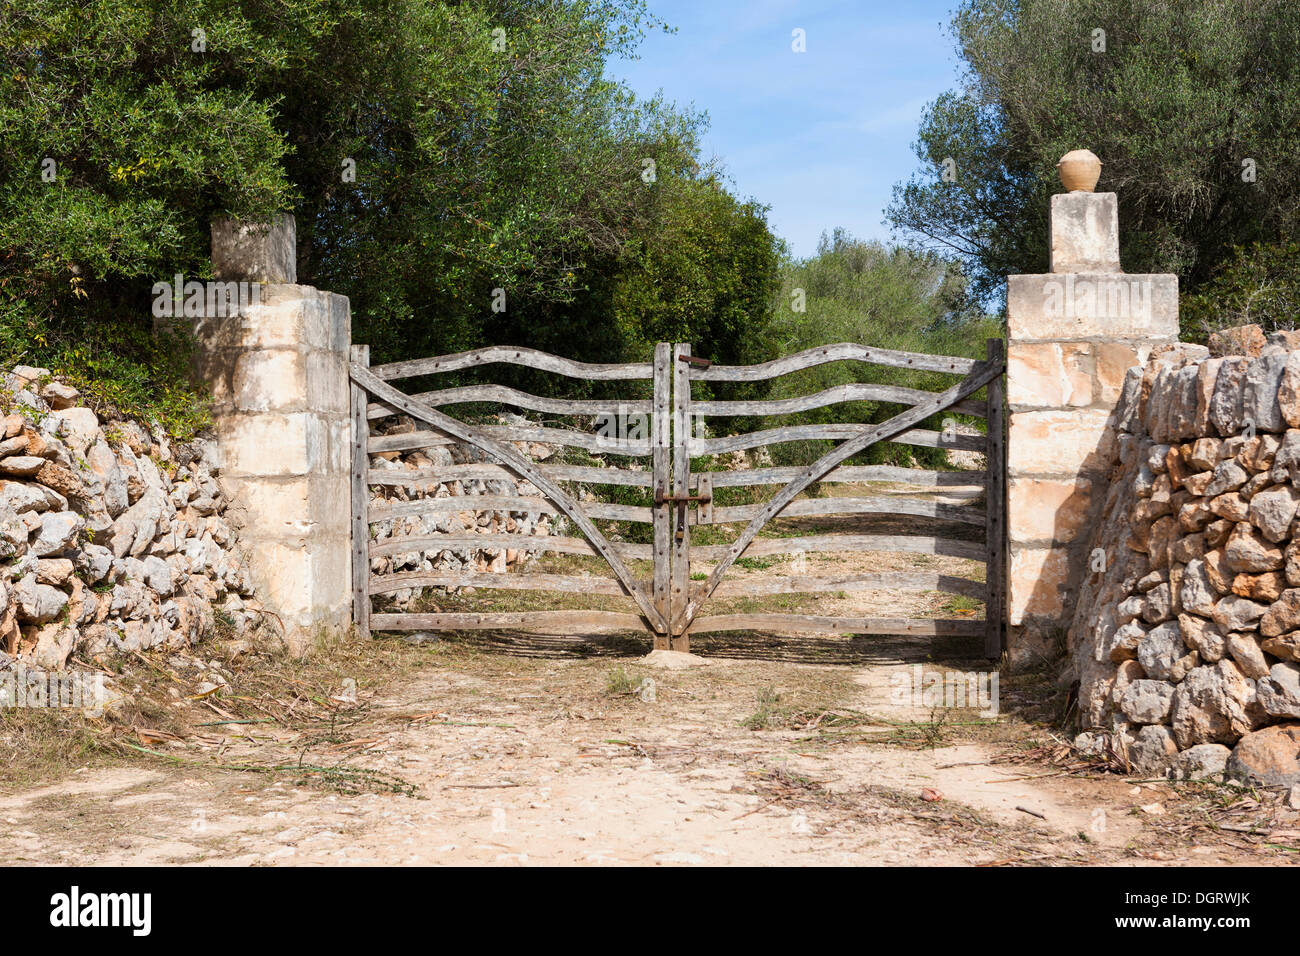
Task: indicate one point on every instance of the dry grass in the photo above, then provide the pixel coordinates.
(275, 713)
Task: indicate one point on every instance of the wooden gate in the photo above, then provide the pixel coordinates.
(671, 430)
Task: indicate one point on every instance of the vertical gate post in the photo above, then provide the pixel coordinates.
(661, 464)
(360, 355)
(995, 512)
(1072, 335)
(681, 566)
(277, 370)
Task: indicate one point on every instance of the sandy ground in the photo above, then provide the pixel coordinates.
(531, 760)
(514, 750)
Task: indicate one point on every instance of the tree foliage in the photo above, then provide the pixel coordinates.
(1175, 97)
(493, 162)
(885, 296)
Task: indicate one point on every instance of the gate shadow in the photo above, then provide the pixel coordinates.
(735, 645)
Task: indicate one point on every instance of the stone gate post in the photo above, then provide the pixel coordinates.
(277, 368)
(1071, 336)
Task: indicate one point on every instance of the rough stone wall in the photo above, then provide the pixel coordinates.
(111, 538)
(1072, 335)
(465, 520)
(1186, 634)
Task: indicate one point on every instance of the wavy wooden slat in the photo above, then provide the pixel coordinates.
(843, 351)
(578, 583)
(429, 543)
(854, 506)
(546, 622)
(513, 356)
(853, 392)
(407, 441)
(840, 543)
(512, 396)
(379, 511)
(583, 474)
(525, 466)
(917, 477)
(789, 433)
(807, 624)
(592, 442)
(885, 580)
(741, 587)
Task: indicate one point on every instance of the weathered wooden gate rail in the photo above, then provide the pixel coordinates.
(669, 604)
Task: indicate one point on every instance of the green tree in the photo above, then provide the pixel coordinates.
(1175, 98)
(707, 274)
(437, 156)
(884, 296)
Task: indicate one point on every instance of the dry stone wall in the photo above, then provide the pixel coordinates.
(111, 538)
(1186, 635)
(465, 519)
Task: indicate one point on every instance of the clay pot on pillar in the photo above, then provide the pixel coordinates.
(1079, 170)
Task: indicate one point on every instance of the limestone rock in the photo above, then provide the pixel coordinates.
(1272, 511)
(38, 603)
(1284, 646)
(1268, 757)
(1154, 750)
(1245, 650)
(1288, 390)
(1283, 614)
(1234, 613)
(1203, 454)
(1147, 701)
(1288, 454)
(1202, 762)
(53, 646)
(1216, 569)
(1197, 594)
(1266, 587)
(1247, 551)
(1125, 642)
(1260, 400)
(1226, 402)
(21, 466)
(1158, 605)
(55, 572)
(58, 533)
(1211, 706)
(1279, 692)
(1202, 636)
(59, 395)
(1163, 655)
(1227, 476)
(1231, 505)
(1245, 340)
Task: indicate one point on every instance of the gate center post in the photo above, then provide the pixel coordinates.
(678, 639)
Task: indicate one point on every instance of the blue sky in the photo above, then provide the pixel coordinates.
(820, 136)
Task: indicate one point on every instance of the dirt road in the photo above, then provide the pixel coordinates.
(520, 760)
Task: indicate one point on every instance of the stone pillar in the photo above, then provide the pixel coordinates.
(278, 373)
(1071, 337)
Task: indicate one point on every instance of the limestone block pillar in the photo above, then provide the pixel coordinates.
(1072, 335)
(277, 369)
